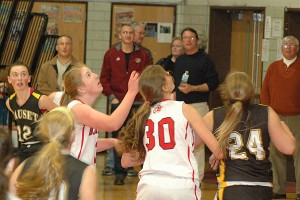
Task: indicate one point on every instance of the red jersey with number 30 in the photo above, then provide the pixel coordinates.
(169, 142)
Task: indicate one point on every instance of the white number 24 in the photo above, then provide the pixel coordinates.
(254, 144)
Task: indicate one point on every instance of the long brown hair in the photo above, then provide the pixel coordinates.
(46, 173)
(236, 91)
(72, 80)
(152, 79)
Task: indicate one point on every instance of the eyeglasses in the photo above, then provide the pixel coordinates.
(188, 38)
(141, 33)
(289, 46)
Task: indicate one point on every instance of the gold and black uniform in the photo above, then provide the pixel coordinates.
(26, 117)
(247, 162)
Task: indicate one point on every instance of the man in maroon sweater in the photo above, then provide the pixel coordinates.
(119, 61)
(280, 90)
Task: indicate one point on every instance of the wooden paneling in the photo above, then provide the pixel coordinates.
(242, 44)
(77, 30)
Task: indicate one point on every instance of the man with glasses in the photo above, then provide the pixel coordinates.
(118, 63)
(280, 90)
(203, 78)
(139, 35)
(50, 75)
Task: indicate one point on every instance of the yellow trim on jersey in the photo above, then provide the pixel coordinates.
(36, 95)
(223, 184)
(221, 177)
(263, 105)
(221, 193)
(12, 96)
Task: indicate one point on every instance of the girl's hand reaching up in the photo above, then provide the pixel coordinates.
(133, 83)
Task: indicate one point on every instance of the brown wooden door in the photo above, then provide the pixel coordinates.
(231, 43)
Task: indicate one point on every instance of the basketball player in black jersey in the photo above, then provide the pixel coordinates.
(244, 131)
(27, 106)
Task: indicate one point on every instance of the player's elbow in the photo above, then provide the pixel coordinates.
(113, 126)
(290, 149)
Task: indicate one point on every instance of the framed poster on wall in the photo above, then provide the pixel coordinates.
(66, 18)
(158, 19)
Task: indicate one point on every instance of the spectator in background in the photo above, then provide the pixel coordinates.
(176, 51)
(139, 35)
(203, 78)
(50, 75)
(27, 105)
(57, 97)
(119, 62)
(280, 91)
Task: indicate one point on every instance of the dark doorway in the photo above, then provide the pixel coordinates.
(291, 23)
(234, 37)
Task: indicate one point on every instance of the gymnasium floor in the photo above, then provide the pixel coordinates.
(108, 191)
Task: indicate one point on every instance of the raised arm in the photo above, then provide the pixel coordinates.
(85, 114)
(280, 134)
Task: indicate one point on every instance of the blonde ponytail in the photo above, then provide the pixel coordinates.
(151, 82)
(233, 117)
(236, 92)
(46, 173)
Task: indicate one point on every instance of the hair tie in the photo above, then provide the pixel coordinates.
(147, 102)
